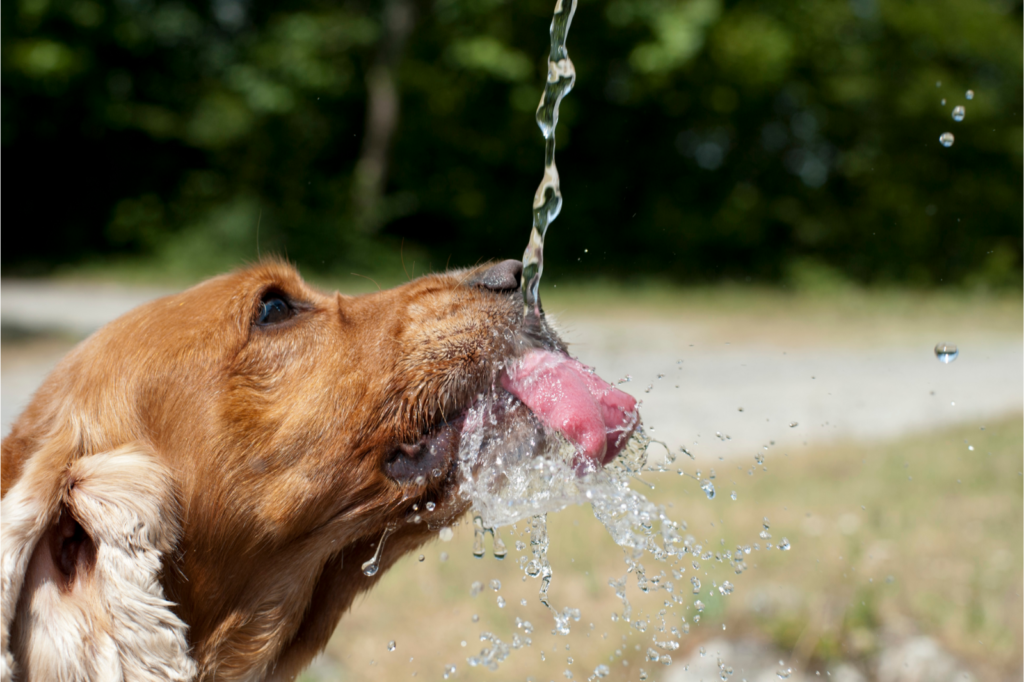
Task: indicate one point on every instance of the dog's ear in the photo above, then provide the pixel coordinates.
(82, 551)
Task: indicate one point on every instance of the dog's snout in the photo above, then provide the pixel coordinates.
(503, 277)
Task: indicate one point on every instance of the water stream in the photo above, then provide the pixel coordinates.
(547, 201)
(510, 484)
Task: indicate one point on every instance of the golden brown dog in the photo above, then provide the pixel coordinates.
(192, 492)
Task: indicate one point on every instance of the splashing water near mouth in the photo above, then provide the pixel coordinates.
(525, 453)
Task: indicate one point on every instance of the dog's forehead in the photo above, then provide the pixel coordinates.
(243, 285)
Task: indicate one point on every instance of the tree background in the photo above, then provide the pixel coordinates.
(706, 140)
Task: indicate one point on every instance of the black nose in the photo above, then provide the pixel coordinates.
(501, 277)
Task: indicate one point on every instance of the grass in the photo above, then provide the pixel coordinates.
(918, 535)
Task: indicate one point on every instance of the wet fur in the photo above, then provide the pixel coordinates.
(193, 494)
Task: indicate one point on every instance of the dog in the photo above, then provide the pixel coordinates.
(196, 490)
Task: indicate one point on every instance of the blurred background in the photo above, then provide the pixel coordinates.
(762, 239)
(705, 141)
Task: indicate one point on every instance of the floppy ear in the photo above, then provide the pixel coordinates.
(80, 562)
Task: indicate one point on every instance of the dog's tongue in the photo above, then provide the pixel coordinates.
(569, 397)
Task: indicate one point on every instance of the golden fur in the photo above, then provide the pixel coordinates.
(195, 490)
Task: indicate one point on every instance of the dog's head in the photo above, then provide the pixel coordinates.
(276, 433)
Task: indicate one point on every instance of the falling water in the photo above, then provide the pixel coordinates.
(547, 202)
(371, 567)
(514, 470)
(946, 352)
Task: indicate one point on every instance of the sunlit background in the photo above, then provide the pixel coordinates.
(763, 238)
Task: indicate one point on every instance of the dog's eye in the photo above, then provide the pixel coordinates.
(273, 310)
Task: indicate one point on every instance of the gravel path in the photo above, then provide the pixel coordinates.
(828, 392)
(755, 394)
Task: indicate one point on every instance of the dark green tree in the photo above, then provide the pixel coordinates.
(704, 140)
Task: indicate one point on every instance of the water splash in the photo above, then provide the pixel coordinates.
(547, 201)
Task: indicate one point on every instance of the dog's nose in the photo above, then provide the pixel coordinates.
(503, 277)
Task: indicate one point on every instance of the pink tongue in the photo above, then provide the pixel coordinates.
(567, 396)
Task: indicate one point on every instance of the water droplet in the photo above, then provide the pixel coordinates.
(478, 537)
(784, 674)
(784, 545)
(431, 506)
(733, 495)
(793, 425)
(699, 605)
(946, 139)
(444, 556)
(958, 113)
(495, 585)
(969, 94)
(373, 565)
(666, 659)
(449, 671)
(391, 645)
(500, 551)
(602, 671)
(696, 584)
(725, 588)
(475, 618)
(476, 588)
(643, 675)
(943, 101)
(446, 534)
(946, 352)
(708, 487)
(501, 602)
(420, 557)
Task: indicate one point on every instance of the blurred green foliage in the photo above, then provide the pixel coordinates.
(786, 141)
